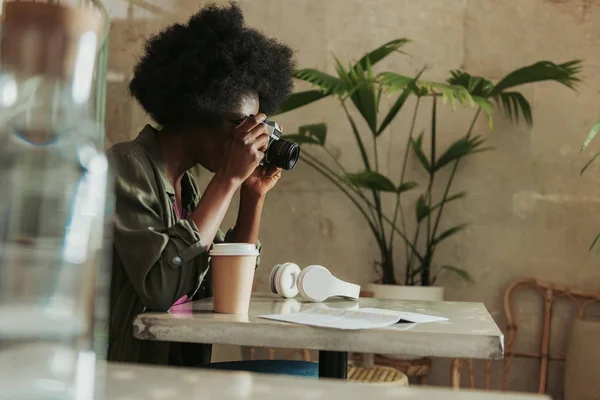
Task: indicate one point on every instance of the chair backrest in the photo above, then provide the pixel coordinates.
(549, 293)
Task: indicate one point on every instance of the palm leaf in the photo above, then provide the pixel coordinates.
(399, 103)
(361, 145)
(328, 84)
(450, 93)
(587, 165)
(300, 99)
(595, 242)
(476, 85)
(448, 199)
(381, 52)
(593, 132)
(371, 180)
(461, 148)
(395, 82)
(315, 131)
(487, 108)
(460, 272)
(406, 186)
(417, 146)
(514, 104)
(565, 74)
(364, 94)
(422, 209)
(446, 234)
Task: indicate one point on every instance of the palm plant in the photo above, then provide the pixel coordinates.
(590, 137)
(359, 85)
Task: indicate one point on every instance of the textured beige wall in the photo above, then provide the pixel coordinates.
(531, 213)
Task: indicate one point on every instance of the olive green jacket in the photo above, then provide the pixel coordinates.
(157, 258)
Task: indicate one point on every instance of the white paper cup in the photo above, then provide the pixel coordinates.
(233, 266)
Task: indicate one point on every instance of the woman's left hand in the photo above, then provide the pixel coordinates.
(261, 181)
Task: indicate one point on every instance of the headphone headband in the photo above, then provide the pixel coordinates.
(315, 283)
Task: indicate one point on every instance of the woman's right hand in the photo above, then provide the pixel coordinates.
(245, 149)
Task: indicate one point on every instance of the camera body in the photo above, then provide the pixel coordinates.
(280, 153)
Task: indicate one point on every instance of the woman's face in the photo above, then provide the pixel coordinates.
(212, 146)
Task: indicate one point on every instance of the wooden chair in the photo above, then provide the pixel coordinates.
(377, 374)
(550, 293)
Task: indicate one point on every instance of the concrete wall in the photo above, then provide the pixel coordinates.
(531, 213)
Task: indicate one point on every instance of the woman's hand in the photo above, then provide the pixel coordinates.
(244, 150)
(261, 181)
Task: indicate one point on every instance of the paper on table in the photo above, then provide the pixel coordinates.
(363, 318)
(406, 316)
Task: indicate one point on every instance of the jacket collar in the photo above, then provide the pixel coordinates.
(148, 139)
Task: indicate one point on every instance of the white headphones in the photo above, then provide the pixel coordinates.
(315, 283)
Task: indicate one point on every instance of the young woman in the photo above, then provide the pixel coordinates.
(208, 84)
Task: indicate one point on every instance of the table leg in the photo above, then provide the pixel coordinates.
(333, 364)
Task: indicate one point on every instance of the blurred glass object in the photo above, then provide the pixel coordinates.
(55, 199)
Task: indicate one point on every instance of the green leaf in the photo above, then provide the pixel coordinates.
(450, 93)
(327, 83)
(381, 52)
(395, 83)
(586, 166)
(461, 148)
(417, 146)
(371, 180)
(342, 73)
(300, 99)
(399, 103)
(406, 186)
(448, 233)
(595, 241)
(460, 272)
(593, 132)
(433, 136)
(301, 139)
(315, 131)
(566, 74)
(364, 95)
(487, 108)
(514, 103)
(475, 85)
(422, 208)
(456, 196)
(359, 142)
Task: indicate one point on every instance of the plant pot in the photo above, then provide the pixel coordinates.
(401, 292)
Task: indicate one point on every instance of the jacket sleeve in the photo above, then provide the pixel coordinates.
(162, 263)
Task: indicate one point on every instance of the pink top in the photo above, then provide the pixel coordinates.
(185, 297)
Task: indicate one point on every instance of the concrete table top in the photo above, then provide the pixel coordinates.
(470, 331)
(132, 382)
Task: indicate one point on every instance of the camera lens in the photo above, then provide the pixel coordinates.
(283, 154)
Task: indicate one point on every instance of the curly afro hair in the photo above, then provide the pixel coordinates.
(199, 72)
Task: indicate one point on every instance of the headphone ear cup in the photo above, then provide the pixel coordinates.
(285, 280)
(314, 283)
(272, 278)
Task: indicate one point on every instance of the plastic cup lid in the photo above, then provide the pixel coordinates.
(233, 249)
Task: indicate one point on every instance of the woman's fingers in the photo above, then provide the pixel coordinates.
(261, 143)
(272, 171)
(250, 123)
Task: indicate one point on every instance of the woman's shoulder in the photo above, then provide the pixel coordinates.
(129, 154)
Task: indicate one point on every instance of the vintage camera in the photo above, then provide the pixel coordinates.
(280, 152)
